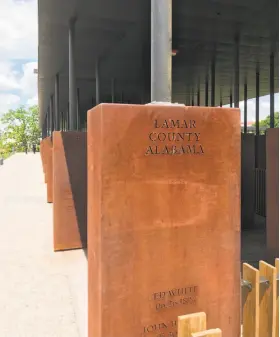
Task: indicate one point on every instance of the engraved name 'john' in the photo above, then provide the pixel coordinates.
(185, 133)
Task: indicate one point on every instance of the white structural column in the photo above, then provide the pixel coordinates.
(72, 78)
(161, 50)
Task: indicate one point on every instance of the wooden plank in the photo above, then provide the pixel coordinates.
(277, 298)
(189, 324)
(208, 333)
(267, 300)
(250, 299)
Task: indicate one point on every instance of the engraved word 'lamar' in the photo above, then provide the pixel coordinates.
(171, 123)
(173, 149)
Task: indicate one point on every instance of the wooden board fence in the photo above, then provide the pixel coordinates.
(260, 300)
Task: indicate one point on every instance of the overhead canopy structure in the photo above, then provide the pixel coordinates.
(219, 46)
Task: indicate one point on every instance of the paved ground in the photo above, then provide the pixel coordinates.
(42, 294)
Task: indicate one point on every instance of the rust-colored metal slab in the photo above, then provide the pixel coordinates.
(163, 218)
(69, 190)
(272, 194)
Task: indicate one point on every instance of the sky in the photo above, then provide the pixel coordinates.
(19, 55)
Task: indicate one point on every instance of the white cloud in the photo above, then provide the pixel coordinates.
(28, 82)
(18, 46)
(32, 101)
(264, 107)
(18, 29)
(8, 101)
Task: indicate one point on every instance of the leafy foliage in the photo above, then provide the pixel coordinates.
(265, 123)
(20, 130)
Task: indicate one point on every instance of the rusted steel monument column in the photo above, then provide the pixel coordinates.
(161, 50)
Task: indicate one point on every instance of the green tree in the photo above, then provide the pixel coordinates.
(20, 129)
(265, 123)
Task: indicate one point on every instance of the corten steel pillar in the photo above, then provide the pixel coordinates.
(272, 90)
(72, 78)
(213, 81)
(161, 50)
(97, 83)
(56, 103)
(245, 107)
(113, 90)
(236, 72)
(206, 90)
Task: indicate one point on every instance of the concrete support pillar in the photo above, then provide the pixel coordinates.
(245, 106)
(257, 102)
(97, 83)
(236, 72)
(113, 90)
(72, 78)
(272, 90)
(56, 103)
(161, 50)
(213, 81)
(206, 90)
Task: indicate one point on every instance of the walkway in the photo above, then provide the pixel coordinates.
(42, 293)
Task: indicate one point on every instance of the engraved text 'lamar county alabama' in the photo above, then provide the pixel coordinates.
(174, 137)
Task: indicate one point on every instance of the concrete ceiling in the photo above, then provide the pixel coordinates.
(118, 33)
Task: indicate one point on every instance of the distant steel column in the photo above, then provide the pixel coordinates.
(161, 50)
(206, 90)
(56, 102)
(221, 102)
(44, 128)
(272, 90)
(245, 107)
(198, 96)
(97, 83)
(51, 115)
(47, 121)
(113, 90)
(213, 81)
(236, 72)
(257, 102)
(230, 99)
(72, 77)
(192, 97)
(78, 108)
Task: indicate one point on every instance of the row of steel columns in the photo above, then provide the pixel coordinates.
(161, 76)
